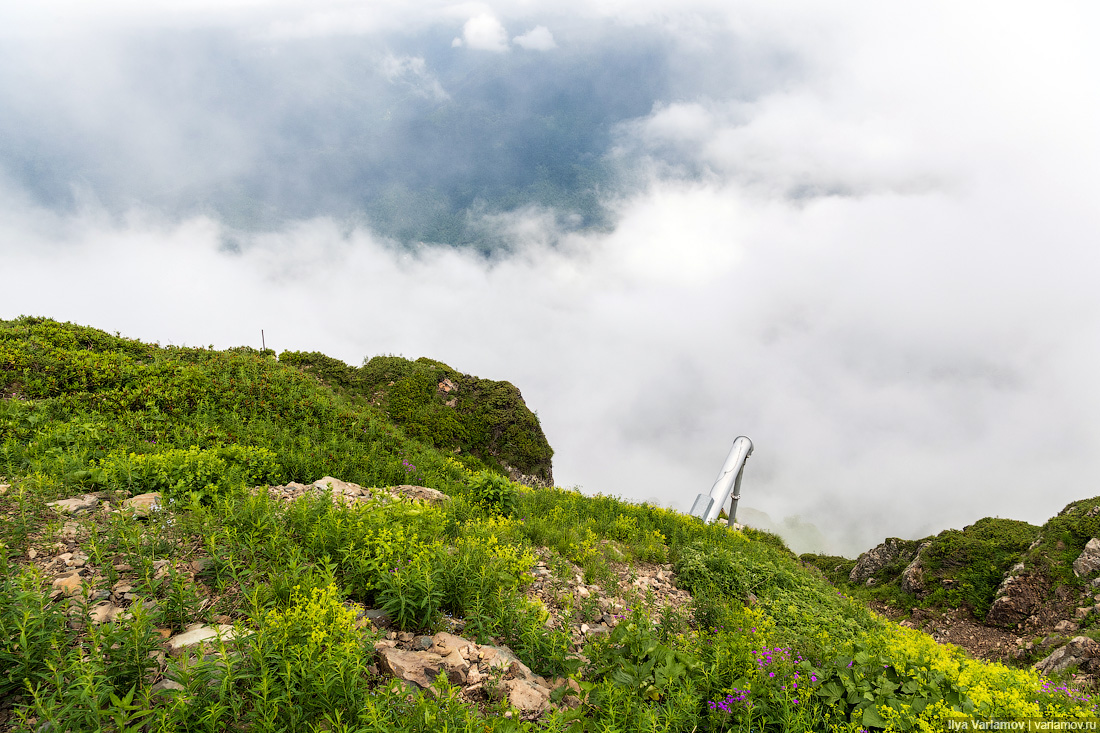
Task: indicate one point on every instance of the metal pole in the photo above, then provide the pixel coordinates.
(726, 486)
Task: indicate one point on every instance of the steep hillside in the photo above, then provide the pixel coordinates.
(451, 411)
(215, 540)
(994, 581)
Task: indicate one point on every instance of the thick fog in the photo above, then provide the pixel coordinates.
(864, 237)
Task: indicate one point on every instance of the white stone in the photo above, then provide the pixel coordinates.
(199, 633)
(75, 505)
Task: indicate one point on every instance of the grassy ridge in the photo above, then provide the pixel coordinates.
(484, 422)
(765, 645)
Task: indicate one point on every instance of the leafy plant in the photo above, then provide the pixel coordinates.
(494, 493)
(412, 591)
(633, 657)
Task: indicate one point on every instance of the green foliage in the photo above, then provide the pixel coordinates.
(862, 684)
(835, 568)
(411, 592)
(205, 473)
(484, 421)
(494, 493)
(974, 561)
(633, 657)
(735, 570)
(30, 629)
(769, 648)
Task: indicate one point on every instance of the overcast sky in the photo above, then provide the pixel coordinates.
(864, 236)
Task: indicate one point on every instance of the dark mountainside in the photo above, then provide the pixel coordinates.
(203, 540)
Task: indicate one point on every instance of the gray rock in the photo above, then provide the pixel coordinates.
(1088, 562)
(75, 505)
(340, 488)
(101, 612)
(1017, 599)
(165, 686)
(912, 578)
(69, 583)
(525, 695)
(1081, 652)
(876, 559)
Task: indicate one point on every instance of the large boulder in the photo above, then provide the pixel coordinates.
(1081, 653)
(418, 668)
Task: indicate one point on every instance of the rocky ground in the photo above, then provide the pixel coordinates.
(99, 593)
(1028, 622)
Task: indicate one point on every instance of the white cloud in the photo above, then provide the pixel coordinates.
(485, 33)
(412, 71)
(538, 38)
(883, 271)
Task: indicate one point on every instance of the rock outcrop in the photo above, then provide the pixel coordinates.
(1081, 653)
(1018, 597)
(912, 578)
(1088, 562)
(874, 560)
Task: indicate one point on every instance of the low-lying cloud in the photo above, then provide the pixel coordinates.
(882, 271)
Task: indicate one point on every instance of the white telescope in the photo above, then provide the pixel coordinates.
(726, 486)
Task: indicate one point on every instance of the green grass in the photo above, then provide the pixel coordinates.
(764, 645)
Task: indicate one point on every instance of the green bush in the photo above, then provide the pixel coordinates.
(178, 473)
(494, 493)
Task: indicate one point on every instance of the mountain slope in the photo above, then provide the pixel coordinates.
(556, 611)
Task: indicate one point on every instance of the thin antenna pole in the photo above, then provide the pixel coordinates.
(262, 342)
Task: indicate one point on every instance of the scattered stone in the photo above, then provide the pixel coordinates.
(202, 564)
(165, 686)
(422, 643)
(70, 530)
(1065, 626)
(420, 493)
(32, 553)
(197, 634)
(69, 583)
(75, 505)
(143, 505)
(123, 568)
(4, 488)
(101, 612)
(1088, 561)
